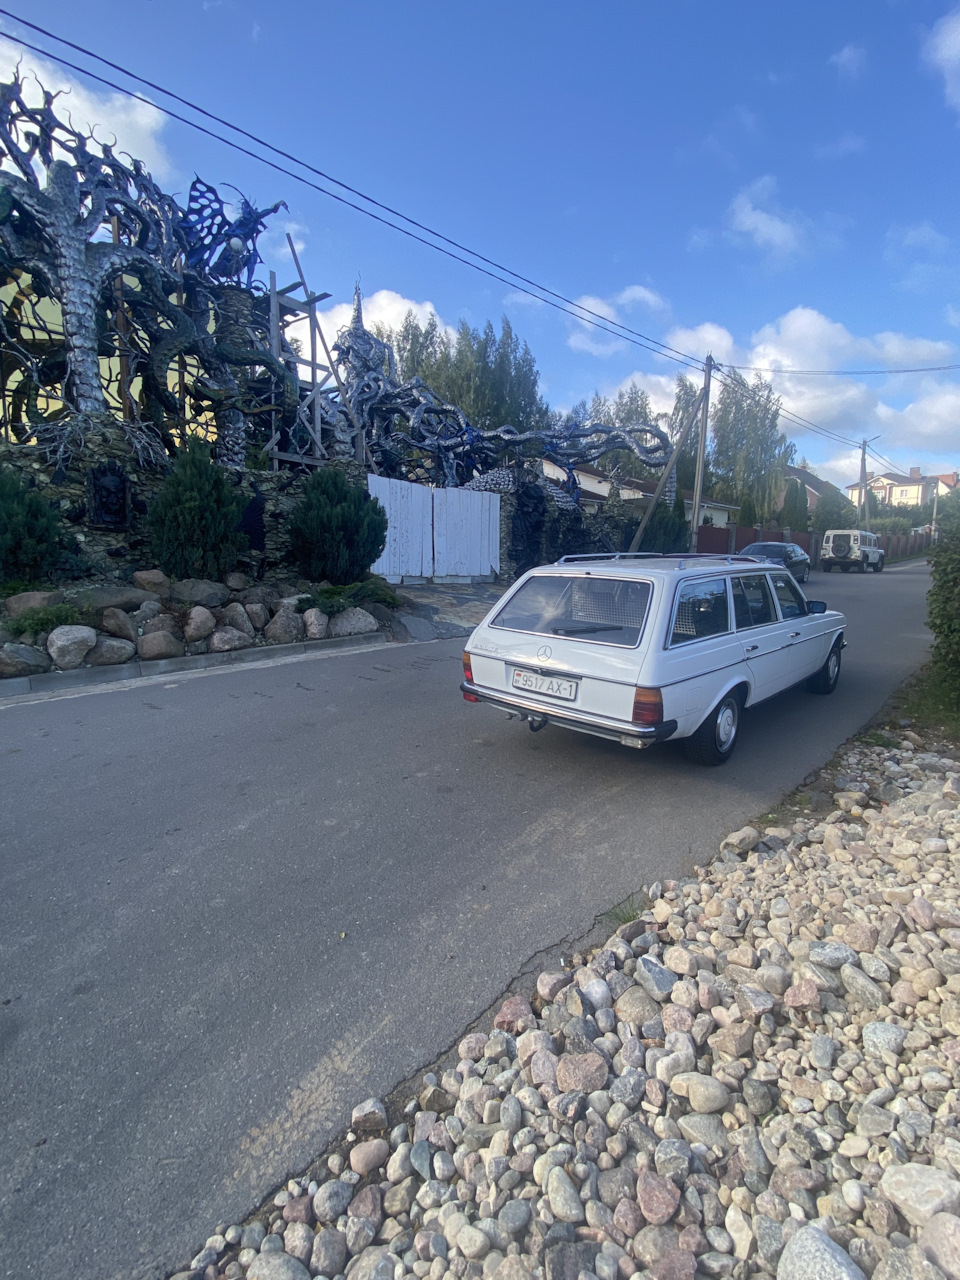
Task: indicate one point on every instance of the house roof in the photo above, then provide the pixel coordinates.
(809, 479)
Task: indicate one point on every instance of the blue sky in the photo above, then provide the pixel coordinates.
(775, 184)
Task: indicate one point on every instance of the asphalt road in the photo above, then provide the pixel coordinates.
(233, 905)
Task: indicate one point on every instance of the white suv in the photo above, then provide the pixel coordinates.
(642, 648)
(851, 549)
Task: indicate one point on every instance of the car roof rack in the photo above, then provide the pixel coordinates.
(679, 556)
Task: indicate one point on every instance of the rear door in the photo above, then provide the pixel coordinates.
(763, 634)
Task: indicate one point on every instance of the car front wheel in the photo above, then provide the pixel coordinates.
(878, 567)
(714, 741)
(825, 680)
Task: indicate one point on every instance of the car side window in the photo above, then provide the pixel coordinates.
(788, 597)
(752, 602)
(701, 611)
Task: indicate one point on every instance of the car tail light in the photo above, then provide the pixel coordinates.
(648, 706)
(468, 676)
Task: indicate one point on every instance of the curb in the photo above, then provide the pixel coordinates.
(52, 680)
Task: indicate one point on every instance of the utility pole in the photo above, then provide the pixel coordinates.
(701, 453)
(933, 522)
(864, 492)
(681, 440)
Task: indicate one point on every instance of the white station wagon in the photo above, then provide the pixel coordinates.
(641, 648)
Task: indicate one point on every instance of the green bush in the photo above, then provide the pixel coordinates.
(46, 618)
(193, 519)
(943, 601)
(333, 600)
(31, 539)
(336, 530)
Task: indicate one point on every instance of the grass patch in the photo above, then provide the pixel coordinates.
(877, 738)
(628, 910)
(45, 618)
(932, 701)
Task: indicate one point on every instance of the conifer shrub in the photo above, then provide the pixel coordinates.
(31, 539)
(337, 530)
(193, 519)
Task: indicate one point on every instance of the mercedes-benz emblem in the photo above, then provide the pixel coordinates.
(544, 652)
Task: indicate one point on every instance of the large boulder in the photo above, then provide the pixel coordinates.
(68, 646)
(200, 623)
(286, 627)
(226, 639)
(200, 591)
(316, 624)
(110, 651)
(113, 597)
(258, 614)
(13, 606)
(159, 644)
(22, 660)
(152, 580)
(236, 616)
(117, 623)
(163, 622)
(352, 622)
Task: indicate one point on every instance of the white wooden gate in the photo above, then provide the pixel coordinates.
(437, 533)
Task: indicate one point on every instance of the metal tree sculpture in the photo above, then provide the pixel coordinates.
(137, 280)
(411, 432)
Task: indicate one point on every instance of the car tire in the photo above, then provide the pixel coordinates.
(825, 680)
(826, 567)
(713, 743)
(862, 567)
(805, 573)
(878, 567)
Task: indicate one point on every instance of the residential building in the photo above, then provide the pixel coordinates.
(911, 490)
(814, 486)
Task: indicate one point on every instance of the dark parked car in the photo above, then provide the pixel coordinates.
(785, 553)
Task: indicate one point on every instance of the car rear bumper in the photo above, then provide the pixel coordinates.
(628, 735)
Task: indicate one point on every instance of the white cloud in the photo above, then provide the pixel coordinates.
(383, 307)
(586, 337)
(753, 213)
(942, 52)
(850, 62)
(136, 126)
(952, 315)
(919, 239)
(848, 144)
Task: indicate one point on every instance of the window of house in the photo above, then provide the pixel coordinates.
(701, 611)
(903, 494)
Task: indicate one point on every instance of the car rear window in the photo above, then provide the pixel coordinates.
(600, 609)
(752, 602)
(701, 611)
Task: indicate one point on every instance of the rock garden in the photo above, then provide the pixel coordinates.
(758, 1075)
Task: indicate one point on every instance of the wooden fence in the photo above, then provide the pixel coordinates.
(441, 534)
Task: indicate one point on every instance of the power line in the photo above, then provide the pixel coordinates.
(683, 357)
(841, 373)
(562, 303)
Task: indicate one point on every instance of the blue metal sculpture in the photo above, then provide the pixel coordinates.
(218, 245)
(412, 433)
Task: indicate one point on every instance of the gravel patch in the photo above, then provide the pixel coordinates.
(760, 1075)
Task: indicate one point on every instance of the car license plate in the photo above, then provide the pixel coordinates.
(545, 686)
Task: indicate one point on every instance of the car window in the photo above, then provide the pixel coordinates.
(752, 602)
(701, 611)
(590, 608)
(791, 602)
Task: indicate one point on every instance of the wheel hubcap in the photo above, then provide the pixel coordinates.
(834, 666)
(726, 724)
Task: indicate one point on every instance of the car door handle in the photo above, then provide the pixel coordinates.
(794, 634)
(752, 647)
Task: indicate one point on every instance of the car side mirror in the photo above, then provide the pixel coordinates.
(816, 606)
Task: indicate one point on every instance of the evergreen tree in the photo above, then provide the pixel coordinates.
(337, 530)
(193, 519)
(748, 517)
(793, 513)
(31, 542)
(833, 511)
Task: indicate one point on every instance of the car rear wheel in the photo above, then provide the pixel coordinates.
(714, 741)
(862, 567)
(805, 573)
(825, 680)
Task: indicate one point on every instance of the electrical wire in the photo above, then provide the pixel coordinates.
(841, 373)
(682, 356)
(535, 290)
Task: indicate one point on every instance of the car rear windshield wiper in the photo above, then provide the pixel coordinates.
(582, 631)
